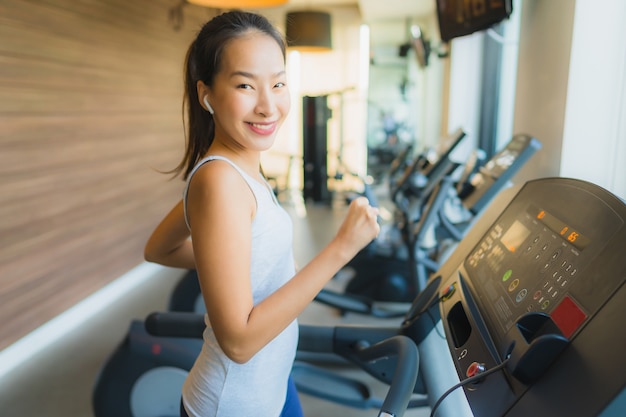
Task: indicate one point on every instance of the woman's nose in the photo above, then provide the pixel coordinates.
(267, 104)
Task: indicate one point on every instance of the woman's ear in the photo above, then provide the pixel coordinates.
(203, 97)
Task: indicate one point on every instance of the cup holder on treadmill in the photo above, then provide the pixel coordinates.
(459, 325)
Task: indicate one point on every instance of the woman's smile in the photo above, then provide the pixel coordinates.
(263, 128)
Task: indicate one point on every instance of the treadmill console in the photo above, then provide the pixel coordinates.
(542, 289)
(496, 173)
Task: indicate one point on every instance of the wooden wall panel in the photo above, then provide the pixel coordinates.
(90, 110)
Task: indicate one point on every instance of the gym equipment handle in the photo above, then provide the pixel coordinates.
(354, 303)
(404, 376)
(175, 324)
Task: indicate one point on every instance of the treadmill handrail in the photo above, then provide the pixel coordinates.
(175, 324)
(404, 376)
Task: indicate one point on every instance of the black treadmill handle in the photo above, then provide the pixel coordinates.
(404, 376)
(175, 324)
(354, 303)
(345, 302)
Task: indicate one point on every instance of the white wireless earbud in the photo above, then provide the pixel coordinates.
(208, 106)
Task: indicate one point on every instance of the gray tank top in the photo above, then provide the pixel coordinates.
(217, 386)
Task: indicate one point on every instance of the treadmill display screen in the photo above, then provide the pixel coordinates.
(515, 236)
(574, 237)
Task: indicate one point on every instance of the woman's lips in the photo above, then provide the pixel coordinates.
(263, 128)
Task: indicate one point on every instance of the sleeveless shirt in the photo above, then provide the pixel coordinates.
(218, 387)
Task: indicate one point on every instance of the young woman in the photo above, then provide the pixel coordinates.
(241, 239)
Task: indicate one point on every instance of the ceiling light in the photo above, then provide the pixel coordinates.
(308, 31)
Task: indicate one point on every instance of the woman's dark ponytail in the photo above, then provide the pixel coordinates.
(200, 127)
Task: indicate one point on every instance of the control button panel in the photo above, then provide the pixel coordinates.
(534, 264)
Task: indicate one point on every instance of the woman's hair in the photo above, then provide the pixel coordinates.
(203, 62)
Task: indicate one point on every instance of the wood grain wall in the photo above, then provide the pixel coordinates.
(90, 110)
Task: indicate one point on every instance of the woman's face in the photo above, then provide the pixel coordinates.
(249, 94)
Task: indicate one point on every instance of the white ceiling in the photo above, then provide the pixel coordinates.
(374, 10)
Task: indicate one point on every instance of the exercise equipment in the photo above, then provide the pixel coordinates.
(383, 270)
(144, 376)
(390, 357)
(399, 277)
(528, 309)
(538, 297)
(186, 295)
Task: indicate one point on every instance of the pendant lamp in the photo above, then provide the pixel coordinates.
(308, 31)
(237, 4)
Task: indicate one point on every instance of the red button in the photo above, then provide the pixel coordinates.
(474, 369)
(447, 293)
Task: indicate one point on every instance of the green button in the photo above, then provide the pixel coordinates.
(507, 275)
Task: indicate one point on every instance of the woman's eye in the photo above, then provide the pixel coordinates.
(244, 86)
(280, 84)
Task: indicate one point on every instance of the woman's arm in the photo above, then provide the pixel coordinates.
(221, 208)
(169, 244)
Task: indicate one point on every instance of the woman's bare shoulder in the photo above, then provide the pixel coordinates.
(219, 183)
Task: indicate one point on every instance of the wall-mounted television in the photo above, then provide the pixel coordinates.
(463, 17)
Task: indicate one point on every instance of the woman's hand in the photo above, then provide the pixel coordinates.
(359, 227)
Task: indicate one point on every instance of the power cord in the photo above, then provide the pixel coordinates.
(465, 382)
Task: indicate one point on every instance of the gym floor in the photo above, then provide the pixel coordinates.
(57, 381)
